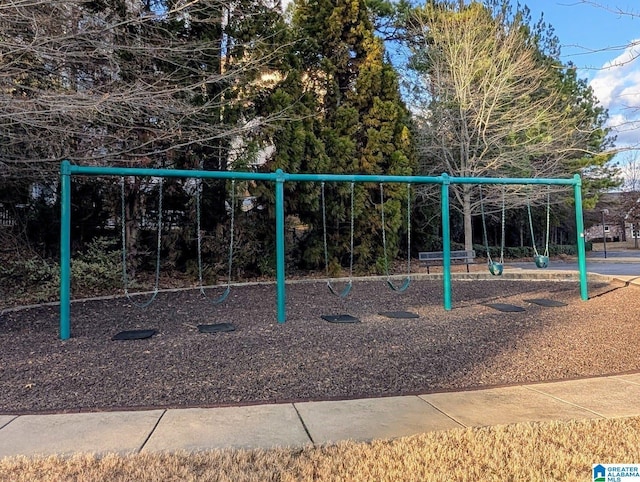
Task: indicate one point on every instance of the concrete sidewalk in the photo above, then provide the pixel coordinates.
(317, 423)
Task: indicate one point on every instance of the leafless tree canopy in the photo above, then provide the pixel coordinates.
(489, 105)
(106, 80)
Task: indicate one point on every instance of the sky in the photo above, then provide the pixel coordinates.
(595, 35)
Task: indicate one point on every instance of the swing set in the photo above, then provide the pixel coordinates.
(349, 284)
(279, 178)
(131, 297)
(495, 267)
(541, 260)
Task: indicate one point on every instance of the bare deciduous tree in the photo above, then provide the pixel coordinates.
(103, 82)
(492, 105)
(150, 83)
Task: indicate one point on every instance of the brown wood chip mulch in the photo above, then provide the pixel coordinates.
(307, 358)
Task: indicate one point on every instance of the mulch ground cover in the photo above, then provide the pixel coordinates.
(307, 358)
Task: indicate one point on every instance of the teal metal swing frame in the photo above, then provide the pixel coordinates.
(279, 178)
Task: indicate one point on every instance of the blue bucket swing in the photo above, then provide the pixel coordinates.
(540, 260)
(495, 267)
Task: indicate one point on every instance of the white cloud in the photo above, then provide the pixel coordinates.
(617, 87)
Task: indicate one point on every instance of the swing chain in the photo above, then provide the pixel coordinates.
(503, 224)
(324, 230)
(407, 280)
(199, 240)
(533, 239)
(124, 246)
(352, 228)
(408, 229)
(349, 284)
(484, 227)
(546, 247)
(494, 268)
(384, 235)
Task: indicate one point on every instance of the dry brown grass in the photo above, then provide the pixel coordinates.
(558, 451)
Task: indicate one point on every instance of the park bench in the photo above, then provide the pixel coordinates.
(436, 258)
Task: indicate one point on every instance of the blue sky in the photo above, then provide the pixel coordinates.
(596, 35)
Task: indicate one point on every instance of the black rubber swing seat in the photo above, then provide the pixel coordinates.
(399, 314)
(340, 319)
(546, 302)
(507, 308)
(216, 328)
(134, 335)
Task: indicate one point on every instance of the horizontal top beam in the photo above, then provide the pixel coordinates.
(280, 176)
(144, 172)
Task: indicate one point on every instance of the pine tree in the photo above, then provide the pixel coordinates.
(360, 127)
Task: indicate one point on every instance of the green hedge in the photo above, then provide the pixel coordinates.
(518, 252)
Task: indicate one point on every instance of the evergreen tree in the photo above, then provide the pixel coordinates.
(357, 124)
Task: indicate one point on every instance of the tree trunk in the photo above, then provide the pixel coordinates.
(521, 235)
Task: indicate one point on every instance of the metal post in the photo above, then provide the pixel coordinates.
(280, 236)
(582, 255)
(65, 250)
(446, 242)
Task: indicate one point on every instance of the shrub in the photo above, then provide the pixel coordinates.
(518, 252)
(33, 279)
(98, 269)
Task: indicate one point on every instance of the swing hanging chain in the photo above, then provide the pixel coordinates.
(232, 230)
(352, 227)
(231, 241)
(347, 288)
(324, 230)
(533, 239)
(408, 229)
(484, 227)
(384, 235)
(546, 247)
(125, 279)
(407, 280)
(198, 233)
(503, 224)
(159, 235)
